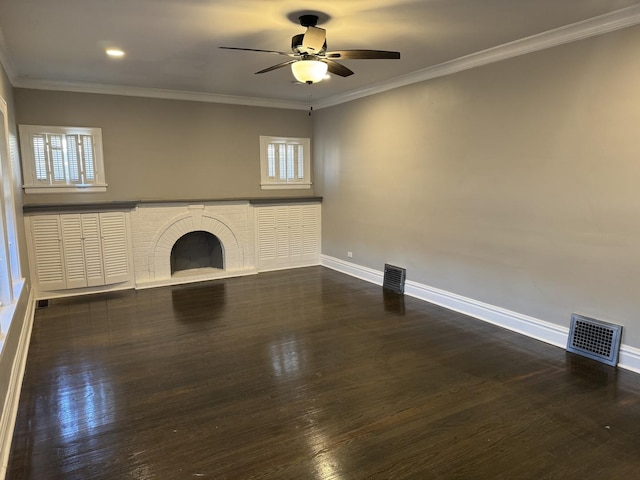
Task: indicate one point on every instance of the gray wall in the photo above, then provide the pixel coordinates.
(167, 149)
(516, 184)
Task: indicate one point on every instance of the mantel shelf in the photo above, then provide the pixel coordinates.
(131, 204)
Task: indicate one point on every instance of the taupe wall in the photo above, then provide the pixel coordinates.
(167, 149)
(516, 184)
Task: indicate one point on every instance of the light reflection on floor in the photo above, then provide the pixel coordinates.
(289, 360)
(81, 399)
(286, 358)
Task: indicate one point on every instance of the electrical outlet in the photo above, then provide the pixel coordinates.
(350, 254)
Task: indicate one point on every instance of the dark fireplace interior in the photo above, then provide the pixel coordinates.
(196, 250)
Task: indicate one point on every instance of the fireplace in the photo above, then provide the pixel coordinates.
(196, 250)
(181, 242)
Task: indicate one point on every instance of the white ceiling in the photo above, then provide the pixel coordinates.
(172, 45)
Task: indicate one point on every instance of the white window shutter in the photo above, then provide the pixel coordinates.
(39, 144)
(73, 157)
(301, 172)
(284, 162)
(88, 159)
(271, 160)
(56, 159)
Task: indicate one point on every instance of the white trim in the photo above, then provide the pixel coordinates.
(10, 410)
(363, 273)
(83, 87)
(514, 321)
(629, 358)
(66, 189)
(284, 186)
(553, 334)
(591, 27)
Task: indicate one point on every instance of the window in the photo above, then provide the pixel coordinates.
(62, 159)
(11, 281)
(285, 162)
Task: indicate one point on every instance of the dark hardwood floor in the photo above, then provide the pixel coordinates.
(309, 374)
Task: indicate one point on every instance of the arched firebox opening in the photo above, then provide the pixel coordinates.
(196, 250)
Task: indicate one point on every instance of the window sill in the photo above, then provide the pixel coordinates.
(7, 312)
(66, 189)
(283, 186)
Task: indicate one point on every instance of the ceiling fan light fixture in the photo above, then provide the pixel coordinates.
(114, 52)
(309, 71)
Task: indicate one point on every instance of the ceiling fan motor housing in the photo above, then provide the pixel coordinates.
(296, 44)
(308, 20)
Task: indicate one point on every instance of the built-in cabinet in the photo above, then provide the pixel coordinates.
(79, 250)
(287, 236)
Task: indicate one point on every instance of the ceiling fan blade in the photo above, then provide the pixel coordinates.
(275, 67)
(362, 54)
(257, 50)
(337, 68)
(313, 40)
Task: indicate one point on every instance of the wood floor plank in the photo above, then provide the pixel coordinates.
(308, 374)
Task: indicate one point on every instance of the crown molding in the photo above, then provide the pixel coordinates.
(81, 87)
(592, 27)
(608, 22)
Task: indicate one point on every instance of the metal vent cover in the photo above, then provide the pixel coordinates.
(42, 303)
(594, 339)
(394, 278)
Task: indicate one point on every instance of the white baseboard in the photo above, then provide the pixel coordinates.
(629, 358)
(363, 273)
(10, 412)
(517, 322)
(532, 327)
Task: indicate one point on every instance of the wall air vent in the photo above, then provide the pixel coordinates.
(42, 303)
(594, 339)
(394, 278)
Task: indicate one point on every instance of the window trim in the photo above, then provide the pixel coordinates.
(32, 185)
(11, 281)
(267, 182)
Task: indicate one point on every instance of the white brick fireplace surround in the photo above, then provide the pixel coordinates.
(157, 226)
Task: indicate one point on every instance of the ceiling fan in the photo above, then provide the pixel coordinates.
(309, 58)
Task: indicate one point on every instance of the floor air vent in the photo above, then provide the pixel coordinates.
(42, 303)
(394, 278)
(594, 339)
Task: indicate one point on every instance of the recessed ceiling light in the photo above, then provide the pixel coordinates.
(114, 52)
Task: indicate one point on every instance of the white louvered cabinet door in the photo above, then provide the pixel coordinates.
(311, 233)
(72, 241)
(267, 237)
(288, 236)
(46, 238)
(113, 227)
(92, 243)
(295, 233)
(282, 236)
